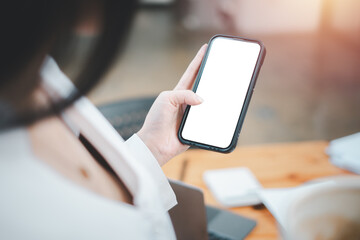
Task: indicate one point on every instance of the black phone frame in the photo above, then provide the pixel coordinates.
(244, 109)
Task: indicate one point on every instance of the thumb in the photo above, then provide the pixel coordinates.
(179, 97)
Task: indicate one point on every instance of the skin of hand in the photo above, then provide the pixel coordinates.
(159, 132)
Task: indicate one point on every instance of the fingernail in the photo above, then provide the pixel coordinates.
(199, 98)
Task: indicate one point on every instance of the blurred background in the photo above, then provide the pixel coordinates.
(309, 85)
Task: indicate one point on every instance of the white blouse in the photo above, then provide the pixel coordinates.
(36, 202)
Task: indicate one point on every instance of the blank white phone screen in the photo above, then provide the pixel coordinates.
(223, 86)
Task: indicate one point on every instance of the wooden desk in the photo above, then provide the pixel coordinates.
(275, 166)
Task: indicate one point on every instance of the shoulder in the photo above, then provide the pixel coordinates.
(38, 202)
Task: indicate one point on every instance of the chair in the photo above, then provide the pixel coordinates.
(127, 116)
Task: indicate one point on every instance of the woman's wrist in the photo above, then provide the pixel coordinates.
(151, 146)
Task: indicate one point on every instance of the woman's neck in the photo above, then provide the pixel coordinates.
(54, 144)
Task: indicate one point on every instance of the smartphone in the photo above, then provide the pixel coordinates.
(225, 81)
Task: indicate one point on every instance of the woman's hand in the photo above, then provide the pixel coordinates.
(159, 131)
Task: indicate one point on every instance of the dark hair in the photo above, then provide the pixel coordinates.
(33, 29)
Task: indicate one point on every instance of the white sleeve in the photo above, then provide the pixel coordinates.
(141, 152)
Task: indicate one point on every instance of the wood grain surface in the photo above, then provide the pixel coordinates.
(274, 165)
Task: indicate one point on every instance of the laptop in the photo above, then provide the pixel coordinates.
(193, 220)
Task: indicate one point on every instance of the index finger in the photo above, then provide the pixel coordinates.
(187, 79)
